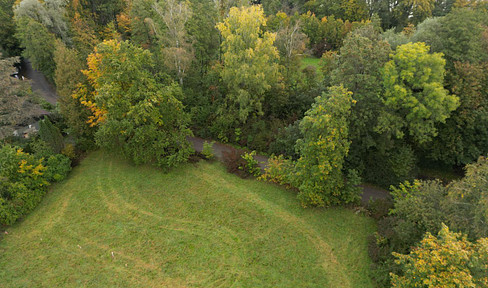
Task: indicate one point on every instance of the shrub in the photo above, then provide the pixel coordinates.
(208, 151)
(58, 167)
(233, 160)
(379, 208)
(69, 151)
(22, 183)
(279, 170)
(41, 148)
(352, 191)
(252, 165)
(51, 135)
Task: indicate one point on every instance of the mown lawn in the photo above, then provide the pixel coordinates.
(111, 224)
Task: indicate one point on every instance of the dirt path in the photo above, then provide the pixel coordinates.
(39, 83)
(369, 191)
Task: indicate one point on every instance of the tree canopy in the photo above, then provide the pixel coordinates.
(134, 113)
(414, 93)
(322, 150)
(250, 66)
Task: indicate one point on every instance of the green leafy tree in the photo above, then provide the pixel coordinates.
(204, 37)
(464, 136)
(461, 36)
(250, 63)
(467, 201)
(396, 39)
(414, 94)
(355, 10)
(448, 260)
(290, 40)
(322, 150)
(82, 28)
(420, 9)
(102, 11)
(38, 44)
(300, 85)
(312, 27)
(9, 45)
(420, 208)
(358, 68)
(134, 113)
(50, 13)
(68, 77)
(429, 31)
(141, 23)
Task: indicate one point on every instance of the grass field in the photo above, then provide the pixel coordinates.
(111, 224)
(312, 61)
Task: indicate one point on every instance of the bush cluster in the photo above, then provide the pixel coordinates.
(252, 165)
(29, 166)
(24, 179)
(208, 151)
(22, 185)
(279, 171)
(233, 160)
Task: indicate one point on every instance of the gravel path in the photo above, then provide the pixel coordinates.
(369, 191)
(39, 83)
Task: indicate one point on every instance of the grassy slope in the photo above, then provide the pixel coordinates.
(196, 226)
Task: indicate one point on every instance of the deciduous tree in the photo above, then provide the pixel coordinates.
(68, 77)
(9, 45)
(177, 51)
(464, 136)
(414, 93)
(322, 150)
(135, 114)
(38, 44)
(448, 260)
(250, 62)
(50, 13)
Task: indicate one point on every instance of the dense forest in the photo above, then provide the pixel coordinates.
(336, 92)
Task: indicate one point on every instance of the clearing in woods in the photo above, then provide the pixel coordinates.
(112, 224)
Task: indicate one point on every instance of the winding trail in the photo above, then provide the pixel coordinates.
(40, 84)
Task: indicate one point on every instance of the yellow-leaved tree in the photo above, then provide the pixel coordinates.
(250, 64)
(448, 260)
